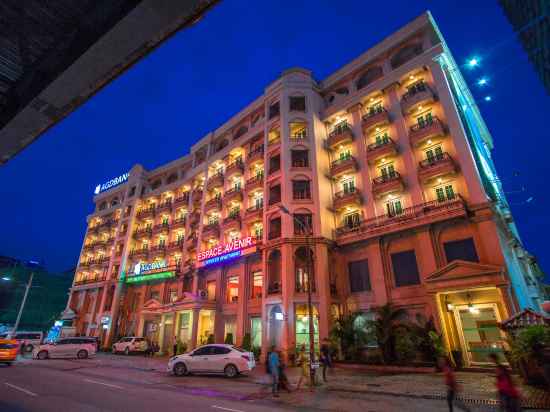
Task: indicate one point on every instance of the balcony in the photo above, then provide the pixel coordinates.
(161, 228)
(425, 213)
(144, 232)
(341, 134)
(254, 212)
(255, 182)
(346, 198)
(375, 118)
(158, 250)
(347, 164)
(232, 221)
(381, 149)
(211, 230)
(179, 223)
(106, 225)
(88, 247)
(147, 211)
(214, 203)
(142, 253)
(256, 154)
(166, 205)
(90, 279)
(102, 261)
(182, 200)
(215, 181)
(387, 183)
(418, 94)
(439, 165)
(236, 167)
(84, 263)
(421, 132)
(234, 193)
(197, 197)
(175, 245)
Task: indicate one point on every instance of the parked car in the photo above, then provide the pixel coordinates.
(228, 360)
(80, 348)
(26, 340)
(130, 344)
(8, 350)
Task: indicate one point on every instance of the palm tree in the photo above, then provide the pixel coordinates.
(386, 325)
(348, 335)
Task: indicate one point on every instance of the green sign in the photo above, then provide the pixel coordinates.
(150, 276)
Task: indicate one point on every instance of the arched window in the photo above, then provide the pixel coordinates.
(114, 202)
(220, 144)
(240, 131)
(405, 54)
(102, 205)
(156, 184)
(368, 77)
(172, 178)
(274, 272)
(303, 265)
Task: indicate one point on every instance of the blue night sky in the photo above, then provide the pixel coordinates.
(202, 76)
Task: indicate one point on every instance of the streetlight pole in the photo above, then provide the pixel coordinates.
(307, 231)
(29, 285)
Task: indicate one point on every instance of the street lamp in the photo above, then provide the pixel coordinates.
(307, 231)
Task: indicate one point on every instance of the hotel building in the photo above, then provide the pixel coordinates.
(380, 176)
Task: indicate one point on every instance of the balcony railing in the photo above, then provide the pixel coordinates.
(234, 217)
(180, 222)
(91, 279)
(211, 229)
(143, 232)
(177, 244)
(183, 199)
(215, 181)
(340, 134)
(255, 181)
(215, 202)
(419, 132)
(390, 177)
(146, 211)
(233, 193)
(236, 166)
(435, 166)
(387, 183)
(375, 117)
(162, 227)
(143, 251)
(416, 94)
(347, 163)
(256, 153)
(346, 197)
(160, 248)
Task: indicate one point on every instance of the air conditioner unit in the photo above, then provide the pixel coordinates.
(203, 294)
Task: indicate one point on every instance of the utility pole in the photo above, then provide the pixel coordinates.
(29, 285)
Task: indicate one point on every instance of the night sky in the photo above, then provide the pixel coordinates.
(202, 76)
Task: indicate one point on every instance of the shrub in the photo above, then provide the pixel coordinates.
(529, 342)
(181, 347)
(229, 339)
(247, 342)
(406, 345)
(210, 339)
(257, 351)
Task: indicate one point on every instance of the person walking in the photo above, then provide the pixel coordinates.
(451, 384)
(326, 359)
(507, 391)
(303, 362)
(274, 362)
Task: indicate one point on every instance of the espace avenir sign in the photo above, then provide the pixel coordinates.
(224, 252)
(111, 183)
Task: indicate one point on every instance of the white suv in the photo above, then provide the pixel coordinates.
(130, 344)
(80, 348)
(219, 359)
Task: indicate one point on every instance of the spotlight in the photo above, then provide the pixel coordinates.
(488, 98)
(482, 81)
(473, 62)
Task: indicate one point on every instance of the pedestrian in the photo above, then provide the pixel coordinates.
(283, 379)
(274, 362)
(325, 358)
(175, 346)
(450, 382)
(507, 391)
(303, 363)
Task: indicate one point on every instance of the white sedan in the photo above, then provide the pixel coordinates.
(213, 359)
(80, 348)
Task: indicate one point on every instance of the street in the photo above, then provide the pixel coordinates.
(119, 383)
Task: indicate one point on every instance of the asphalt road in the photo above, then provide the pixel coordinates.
(65, 386)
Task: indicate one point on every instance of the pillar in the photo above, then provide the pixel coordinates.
(322, 281)
(194, 328)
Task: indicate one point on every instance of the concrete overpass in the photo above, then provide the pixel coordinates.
(56, 54)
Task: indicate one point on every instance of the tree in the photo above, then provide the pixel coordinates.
(386, 327)
(349, 336)
(247, 342)
(229, 339)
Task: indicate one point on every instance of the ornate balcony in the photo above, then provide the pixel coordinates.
(175, 245)
(146, 211)
(179, 223)
(255, 182)
(166, 205)
(182, 200)
(161, 228)
(234, 193)
(340, 135)
(144, 232)
(211, 230)
(236, 167)
(106, 225)
(345, 165)
(375, 118)
(215, 181)
(232, 221)
(418, 94)
(381, 149)
(102, 261)
(139, 253)
(214, 203)
(440, 165)
(346, 198)
(254, 212)
(386, 184)
(421, 132)
(157, 250)
(256, 154)
(90, 279)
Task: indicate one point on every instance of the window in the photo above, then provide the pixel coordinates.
(303, 263)
(424, 120)
(375, 109)
(445, 192)
(298, 130)
(368, 77)
(299, 158)
(257, 285)
(240, 132)
(340, 128)
(387, 171)
(172, 178)
(352, 220)
(344, 154)
(382, 138)
(274, 163)
(172, 295)
(405, 269)
(155, 185)
(275, 228)
(233, 289)
(211, 289)
(274, 110)
(274, 271)
(433, 154)
(220, 350)
(394, 207)
(297, 103)
(359, 277)
(302, 223)
(274, 194)
(464, 249)
(301, 189)
(348, 185)
(103, 205)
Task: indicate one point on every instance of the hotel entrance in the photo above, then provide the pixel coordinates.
(302, 327)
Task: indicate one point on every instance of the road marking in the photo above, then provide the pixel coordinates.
(104, 384)
(21, 389)
(226, 409)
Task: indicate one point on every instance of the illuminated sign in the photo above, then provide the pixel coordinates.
(151, 276)
(111, 183)
(140, 268)
(228, 251)
(150, 271)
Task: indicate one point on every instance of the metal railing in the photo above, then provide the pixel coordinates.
(386, 178)
(387, 141)
(427, 123)
(435, 160)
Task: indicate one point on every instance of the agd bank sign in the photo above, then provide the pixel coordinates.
(111, 183)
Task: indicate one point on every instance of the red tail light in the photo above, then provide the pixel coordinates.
(245, 357)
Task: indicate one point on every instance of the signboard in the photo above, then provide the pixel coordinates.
(150, 271)
(149, 267)
(228, 251)
(152, 276)
(111, 183)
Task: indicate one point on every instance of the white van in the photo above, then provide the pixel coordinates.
(26, 340)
